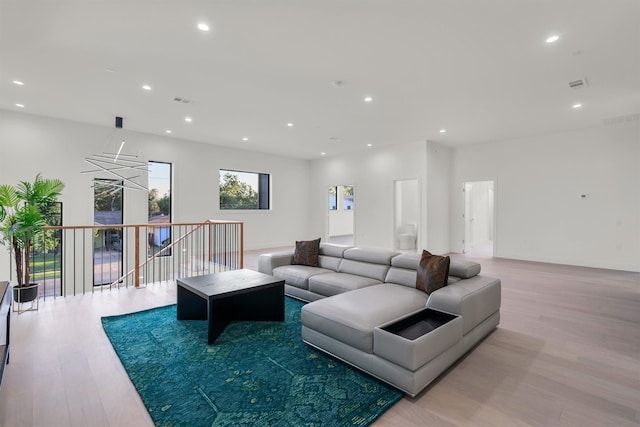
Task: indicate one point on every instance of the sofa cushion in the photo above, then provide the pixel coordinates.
(433, 272)
(306, 253)
(332, 249)
(406, 277)
(298, 275)
(373, 256)
(336, 283)
(329, 262)
(350, 317)
(365, 269)
(474, 299)
(463, 268)
(409, 261)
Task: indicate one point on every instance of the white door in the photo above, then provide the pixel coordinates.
(479, 199)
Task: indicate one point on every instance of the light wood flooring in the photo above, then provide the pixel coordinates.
(566, 353)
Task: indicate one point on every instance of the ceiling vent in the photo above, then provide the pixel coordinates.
(577, 84)
(182, 100)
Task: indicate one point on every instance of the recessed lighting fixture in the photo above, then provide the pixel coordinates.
(369, 145)
(168, 131)
(552, 39)
(578, 105)
(146, 87)
(290, 124)
(188, 119)
(323, 153)
(20, 105)
(18, 82)
(245, 139)
(443, 131)
(368, 99)
(203, 27)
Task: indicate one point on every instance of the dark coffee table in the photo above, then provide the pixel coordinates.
(230, 295)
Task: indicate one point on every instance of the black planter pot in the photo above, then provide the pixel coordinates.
(25, 293)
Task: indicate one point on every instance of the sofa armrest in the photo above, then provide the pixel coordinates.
(267, 262)
(475, 299)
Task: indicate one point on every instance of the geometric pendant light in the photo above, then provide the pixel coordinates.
(119, 164)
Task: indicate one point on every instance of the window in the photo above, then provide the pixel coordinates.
(159, 209)
(341, 198)
(347, 197)
(244, 190)
(333, 198)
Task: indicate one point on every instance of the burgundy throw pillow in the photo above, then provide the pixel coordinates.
(433, 272)
(306, 253)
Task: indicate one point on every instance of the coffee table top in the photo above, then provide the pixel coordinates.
(227, 283)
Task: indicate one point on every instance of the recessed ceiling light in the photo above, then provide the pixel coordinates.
(368, 99)
(188, 119)
(290, 124)
(17, 82)
(245, 139)
(168, 131)
(20, 105)
(323, 153)
(443, 131)
(203, 27)
(552, 39)
(578, 105)
(369, 145)
(146, 87)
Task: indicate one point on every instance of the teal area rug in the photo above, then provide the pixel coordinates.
(255, 374)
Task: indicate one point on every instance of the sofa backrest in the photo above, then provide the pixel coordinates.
(403, 269)
(373, 263)
(330, 255)
(332, 249)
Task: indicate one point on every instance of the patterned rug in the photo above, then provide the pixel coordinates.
(255, 374)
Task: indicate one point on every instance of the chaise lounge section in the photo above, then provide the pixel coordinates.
(365, 309)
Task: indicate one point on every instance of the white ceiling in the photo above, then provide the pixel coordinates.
(479, 68)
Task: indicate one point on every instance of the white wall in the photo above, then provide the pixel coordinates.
(540, 215)
(373, 173)
(438, 214)
(57, 149)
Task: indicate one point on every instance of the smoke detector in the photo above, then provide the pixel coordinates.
(577, 84)
(182, 100)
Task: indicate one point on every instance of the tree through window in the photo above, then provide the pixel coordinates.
(243, 190)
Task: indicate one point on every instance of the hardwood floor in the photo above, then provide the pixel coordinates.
(566, 353)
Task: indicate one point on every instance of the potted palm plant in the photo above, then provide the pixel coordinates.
(23, 212)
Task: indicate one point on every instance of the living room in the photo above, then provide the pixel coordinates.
(566, 197)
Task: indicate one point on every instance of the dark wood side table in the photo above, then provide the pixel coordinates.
(230, 295)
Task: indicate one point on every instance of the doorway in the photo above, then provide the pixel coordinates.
(479, 218)
(406, 214)
(341, 218)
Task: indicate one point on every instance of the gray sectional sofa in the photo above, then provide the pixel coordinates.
(365, 310)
